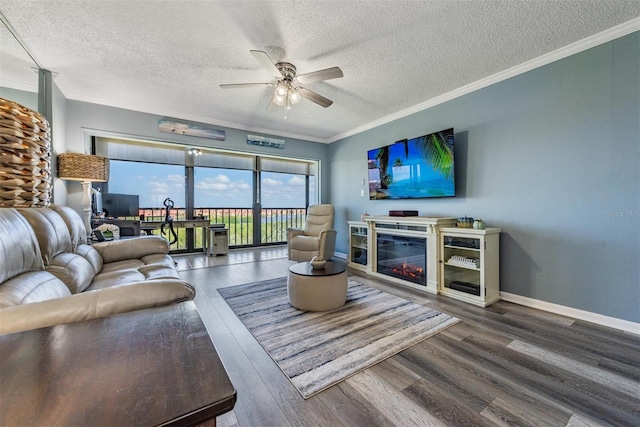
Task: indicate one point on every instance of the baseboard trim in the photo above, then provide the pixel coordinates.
(587, 316)
(599, 319)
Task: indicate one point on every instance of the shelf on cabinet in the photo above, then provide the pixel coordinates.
(462, 248)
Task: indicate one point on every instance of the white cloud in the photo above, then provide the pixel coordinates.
(240, 185)
(210, 186)
(270, 182)
(176, 178)
(221, 183)
(158, 187)
(296, 181)
(222, 179)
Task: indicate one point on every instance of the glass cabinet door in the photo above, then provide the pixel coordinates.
(358, 249)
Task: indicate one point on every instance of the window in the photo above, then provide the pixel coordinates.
(221, 186)
(152, 182)
(283, 190)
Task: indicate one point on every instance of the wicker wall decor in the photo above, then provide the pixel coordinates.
(25, 157)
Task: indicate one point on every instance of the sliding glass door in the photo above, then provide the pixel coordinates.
(256, 197)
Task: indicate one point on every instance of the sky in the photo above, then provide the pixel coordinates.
(214, 187)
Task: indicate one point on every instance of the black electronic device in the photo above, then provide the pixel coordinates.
(120, 205)
(469, 288)
(403, 213)
(99, 236)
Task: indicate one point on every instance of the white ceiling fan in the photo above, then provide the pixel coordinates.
(288, 86)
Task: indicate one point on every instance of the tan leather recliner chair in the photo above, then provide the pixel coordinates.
(317, 238)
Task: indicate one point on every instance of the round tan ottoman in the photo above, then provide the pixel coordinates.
(317, 289)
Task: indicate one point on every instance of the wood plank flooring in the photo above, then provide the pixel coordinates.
(501, 365)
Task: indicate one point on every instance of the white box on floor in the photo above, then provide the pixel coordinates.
(218, 241)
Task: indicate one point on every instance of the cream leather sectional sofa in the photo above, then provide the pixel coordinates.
(49, 275)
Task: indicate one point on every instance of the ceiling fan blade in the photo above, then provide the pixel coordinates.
(316, 76)
(314, 97)
(267, 63)
(239, 85)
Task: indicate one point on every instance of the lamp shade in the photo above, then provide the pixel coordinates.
(83, 167)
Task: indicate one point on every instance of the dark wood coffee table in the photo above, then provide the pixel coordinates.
(150, 367)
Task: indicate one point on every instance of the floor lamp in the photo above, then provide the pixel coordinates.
(86, 168)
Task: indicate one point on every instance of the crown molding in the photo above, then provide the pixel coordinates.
(556, 55)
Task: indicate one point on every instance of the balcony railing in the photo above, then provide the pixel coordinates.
(240, 222)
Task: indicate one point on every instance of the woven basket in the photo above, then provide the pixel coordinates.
(25, 157)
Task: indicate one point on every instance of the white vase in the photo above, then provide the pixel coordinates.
(317, 262)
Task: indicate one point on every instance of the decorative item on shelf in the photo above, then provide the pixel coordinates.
(478, 224)
(363, 216)
(464, 261)
(25, 157)
(317, 262)
(465, 222)
(86, 168)
(109, 230)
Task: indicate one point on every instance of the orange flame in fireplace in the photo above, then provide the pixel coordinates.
(408, 270)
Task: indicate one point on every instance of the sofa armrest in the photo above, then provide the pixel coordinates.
(293, 232)
(327, 243)
(136, 248)
(94, 304)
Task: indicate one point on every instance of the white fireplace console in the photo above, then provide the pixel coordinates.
(390, 235)
(429, 254)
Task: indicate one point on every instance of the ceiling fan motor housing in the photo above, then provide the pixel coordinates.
(287, 70)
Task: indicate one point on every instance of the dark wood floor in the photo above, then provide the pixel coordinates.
(502, 365)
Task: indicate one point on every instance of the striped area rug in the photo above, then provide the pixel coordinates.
(318, 350)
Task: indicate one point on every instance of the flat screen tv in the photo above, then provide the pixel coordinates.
(120, 205)
(415, 168)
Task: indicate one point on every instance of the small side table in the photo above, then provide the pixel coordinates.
(321, 289)
(218, 241)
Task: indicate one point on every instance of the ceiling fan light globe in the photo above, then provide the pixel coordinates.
(294, 97)
(281, 90)
(278, 99)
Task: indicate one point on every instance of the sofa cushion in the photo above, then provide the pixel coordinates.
(75, 225)
(31, 287)
(150, 267)
(90, 254)
(19, 249)
(160, 261)
(319, 218)
(306, 243)
(115, 278)
(50, 230)
(118, 250)
(75, 271)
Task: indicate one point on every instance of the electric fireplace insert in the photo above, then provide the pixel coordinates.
(402, 257)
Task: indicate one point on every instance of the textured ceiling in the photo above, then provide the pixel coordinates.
(168, 57)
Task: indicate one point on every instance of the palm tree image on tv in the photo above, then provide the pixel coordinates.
(413, 168)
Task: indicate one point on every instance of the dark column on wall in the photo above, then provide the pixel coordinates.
(45, 94)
